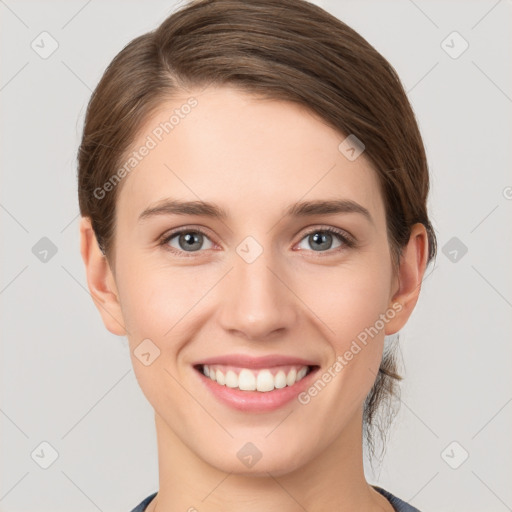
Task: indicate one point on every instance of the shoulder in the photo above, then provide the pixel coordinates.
(398, 504)
(144, 503)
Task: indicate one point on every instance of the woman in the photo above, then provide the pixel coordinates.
(253, 188)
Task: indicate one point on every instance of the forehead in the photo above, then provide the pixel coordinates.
(249, 155)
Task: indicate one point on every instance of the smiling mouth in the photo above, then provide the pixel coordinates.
(251, 379)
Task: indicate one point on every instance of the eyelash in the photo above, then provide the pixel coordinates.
(347, 240)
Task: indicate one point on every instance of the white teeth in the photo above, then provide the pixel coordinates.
(246, 380)
(280, 379)
(265, 381)
(231, 379)
(255, 380)
(291, 377)
(220, 378)
(302, 372)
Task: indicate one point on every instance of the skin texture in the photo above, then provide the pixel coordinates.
(253, 157)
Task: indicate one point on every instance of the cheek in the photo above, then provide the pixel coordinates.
(159, 301)
(147, 291)
(350, 299)
(158, 305)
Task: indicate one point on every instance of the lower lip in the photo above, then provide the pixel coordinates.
(256, 401)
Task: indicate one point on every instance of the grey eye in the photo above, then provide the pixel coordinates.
(321, 240)
(189, 241)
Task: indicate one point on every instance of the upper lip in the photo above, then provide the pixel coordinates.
(244, 361)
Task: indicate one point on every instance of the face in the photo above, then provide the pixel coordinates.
(258, 294)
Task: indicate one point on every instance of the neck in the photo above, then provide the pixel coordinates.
(333, 481)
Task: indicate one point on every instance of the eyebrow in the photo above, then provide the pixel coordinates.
(300, 209)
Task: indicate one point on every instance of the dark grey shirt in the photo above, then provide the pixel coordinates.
(397, 503)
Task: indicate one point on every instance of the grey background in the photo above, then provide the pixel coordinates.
(68, 382)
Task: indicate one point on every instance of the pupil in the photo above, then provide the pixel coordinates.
(191, 239)
(321, 239)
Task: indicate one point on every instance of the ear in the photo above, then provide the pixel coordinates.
(100, 280)
(413, 263)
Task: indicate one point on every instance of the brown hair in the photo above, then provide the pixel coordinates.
(278, 49)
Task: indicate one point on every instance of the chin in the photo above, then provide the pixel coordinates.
(278, 464)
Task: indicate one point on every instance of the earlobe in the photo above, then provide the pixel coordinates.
(100, 280)
(413, 263)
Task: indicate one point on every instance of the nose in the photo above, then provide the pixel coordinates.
(257, 301)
